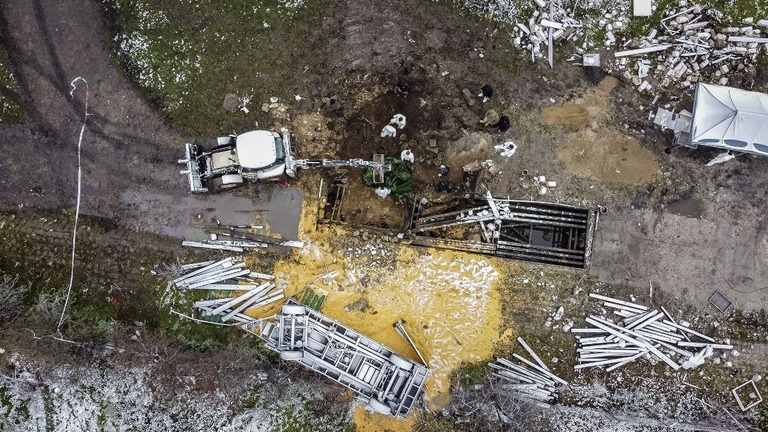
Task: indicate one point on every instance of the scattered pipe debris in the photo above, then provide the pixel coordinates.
(685, 49)
(532, 379)
(549, 23)
(228, 274)
(643, 333)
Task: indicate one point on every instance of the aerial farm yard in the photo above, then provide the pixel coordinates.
(415, 215)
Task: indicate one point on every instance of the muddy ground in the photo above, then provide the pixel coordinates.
(686, 228)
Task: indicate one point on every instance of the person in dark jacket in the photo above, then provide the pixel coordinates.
(503, 124)
(486, 92)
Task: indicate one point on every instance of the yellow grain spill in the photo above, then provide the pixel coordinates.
(448, 301)
(366, 421)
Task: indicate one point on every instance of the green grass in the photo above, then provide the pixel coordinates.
(186, 56)
(470, 374)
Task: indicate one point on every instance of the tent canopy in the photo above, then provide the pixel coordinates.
(730, 118)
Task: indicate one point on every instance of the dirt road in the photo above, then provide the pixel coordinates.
(129, 152)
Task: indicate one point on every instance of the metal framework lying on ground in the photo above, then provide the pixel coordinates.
(387, 382)
(544, 232)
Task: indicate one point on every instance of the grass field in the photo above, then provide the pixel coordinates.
(186, 56)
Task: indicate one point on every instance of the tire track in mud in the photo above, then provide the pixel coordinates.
(128, 146)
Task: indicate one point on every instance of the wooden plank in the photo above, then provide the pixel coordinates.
(261, 276)
(629, 360)
(657, 337)
(492, 204)
(519, 375)
(671, 319)
(624, 308)
(599, 363)
(504, 374)
(663, 327)
(277, 295)
(210, 273)
(210, 246)
(220, 277)
(226, 287)
(203, 303)
(263, 289)
(682, 352)
(644, 320)
(605, 354)
(747, 39)
(624, 314)
(198, 265)
(612, 345)
(609, 350)
(594, 340)
(535, 376)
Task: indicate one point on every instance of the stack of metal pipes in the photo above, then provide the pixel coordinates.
(531, 379)
(229, 275)
(639, 332)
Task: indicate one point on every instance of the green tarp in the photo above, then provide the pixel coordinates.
(399, 180)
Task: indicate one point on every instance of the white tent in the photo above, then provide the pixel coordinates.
(730, 118)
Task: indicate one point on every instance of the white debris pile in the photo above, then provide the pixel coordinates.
(687, 48)
(531, 379)
(543, 185)
(278, 108)
(640, 333)
(550, 23)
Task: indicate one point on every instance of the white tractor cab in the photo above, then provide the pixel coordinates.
(255, 155)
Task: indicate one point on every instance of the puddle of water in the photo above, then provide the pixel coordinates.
(691, 207)
(285, 212)
(186, 217)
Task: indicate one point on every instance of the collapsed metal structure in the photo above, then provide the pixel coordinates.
(544, 232)
(549, 233)
(385, 381)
